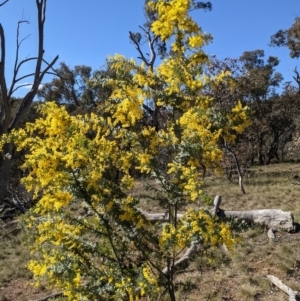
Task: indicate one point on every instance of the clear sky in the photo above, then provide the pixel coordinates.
(84, 32)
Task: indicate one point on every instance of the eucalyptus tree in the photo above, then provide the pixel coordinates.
(290, 38)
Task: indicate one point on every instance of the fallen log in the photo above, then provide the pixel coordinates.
(184, 260)
(156, 217)
(274, 219)
(271, 234)
(217, 203)
(293, 295)
(271, 218)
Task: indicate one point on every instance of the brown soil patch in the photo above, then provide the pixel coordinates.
(22, 290)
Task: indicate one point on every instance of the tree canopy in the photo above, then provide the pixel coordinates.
(289, 38)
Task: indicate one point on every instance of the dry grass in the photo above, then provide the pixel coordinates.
(242, 276)
(214, 276)
(12, 255)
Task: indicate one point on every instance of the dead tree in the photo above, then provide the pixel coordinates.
(10, 116)
(238, 168)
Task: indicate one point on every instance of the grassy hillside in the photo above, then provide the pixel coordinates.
(213, 276)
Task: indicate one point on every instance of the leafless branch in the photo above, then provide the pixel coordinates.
(25, 85)
(54, 73)
(16, 72)
(20, 42)
(39, 73)
(25, 76)
(30, 95)
(4, 2)
(27, 60)
(18, 87)
(16, 67)
(55, 295)
(137, 46)
(47, 68)
(150, 40)
(24, 39)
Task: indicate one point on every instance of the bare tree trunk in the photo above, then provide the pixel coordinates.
(3, 177)
(5, 171)
(237, 167)
(8, 119)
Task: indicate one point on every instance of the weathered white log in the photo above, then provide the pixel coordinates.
(156, 217)
(293, 295)
(225, 249)
(271, 234)
(272, 218)
(217, 203)
(183, 261)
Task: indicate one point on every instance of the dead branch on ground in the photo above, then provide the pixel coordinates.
(293, 295)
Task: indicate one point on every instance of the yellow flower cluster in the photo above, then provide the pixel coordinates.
(239, 118)
(196, 226)
(196, 41)
(169, 14)
(174, 20)
(187, 178)
(128, 112)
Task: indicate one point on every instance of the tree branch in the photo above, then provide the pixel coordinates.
(25, 105)
(297, 78)
(38, 75)
(293, 295)
(55, 295)
(183, 261)
(5, 109)
(4, 2)
(16, 67)
(151, 47)
(46, 69)
(137, 46)
(20, 86)
(150, 40)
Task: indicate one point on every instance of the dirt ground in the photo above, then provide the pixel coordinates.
(21, 290)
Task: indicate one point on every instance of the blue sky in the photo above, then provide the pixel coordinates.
(86, 31)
